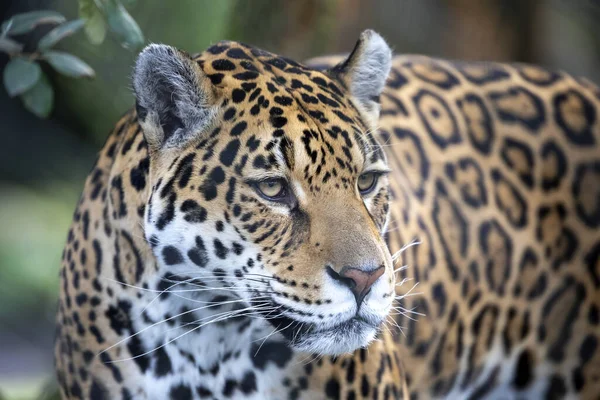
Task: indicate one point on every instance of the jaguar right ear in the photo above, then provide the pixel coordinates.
(366, 70)
(175, 100)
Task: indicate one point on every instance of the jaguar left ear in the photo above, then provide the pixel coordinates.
(365, 71)
(175, 100)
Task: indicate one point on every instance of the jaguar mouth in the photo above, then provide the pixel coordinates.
(343, 337)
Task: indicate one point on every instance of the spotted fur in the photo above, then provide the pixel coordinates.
(180, 281)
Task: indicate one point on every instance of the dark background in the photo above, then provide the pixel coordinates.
(43, 163)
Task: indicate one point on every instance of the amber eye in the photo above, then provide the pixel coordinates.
(272, 189)
(366, 182)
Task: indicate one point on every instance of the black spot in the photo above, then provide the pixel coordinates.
(229, 387)
(239, 128)
(277, 353)
(194, 213)
(283, 100)
(364, 386)
(238, 95)
(252, 143)
(332, 389)
(229, 153)
(168, 213)
(98, 391)
(278, 122)
(594, 315)
(588, 349)
(180, 392)
(162, 366)
(246, 76)
(198, 254)
(248, 383)
(216, 78)
(217, 48)
(229, 114)
(438, 294)
(556, 389)
(203, 392)
(209, 186)
(524, 371)
(238, 54)
(223, 65)
(220, 250)
(137, 175)
(171, 255)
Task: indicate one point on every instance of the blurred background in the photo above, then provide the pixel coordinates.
(43, 162)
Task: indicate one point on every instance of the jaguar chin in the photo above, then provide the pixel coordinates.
(329, 338)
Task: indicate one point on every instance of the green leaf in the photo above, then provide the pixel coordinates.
(68, 64)
(23, 23)
(40, 98)
(121, 23)
(10, 46)
(95, 26)
(5, 27)
(20, 75)
(59, 33)
(86, 8)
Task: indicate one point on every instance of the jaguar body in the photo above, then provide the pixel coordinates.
(256, 227)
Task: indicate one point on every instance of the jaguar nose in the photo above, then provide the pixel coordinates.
(358, 280)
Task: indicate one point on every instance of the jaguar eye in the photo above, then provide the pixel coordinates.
(272, 189)
(367, 182)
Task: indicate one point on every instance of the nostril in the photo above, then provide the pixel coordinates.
(349, 282)
(362, 279)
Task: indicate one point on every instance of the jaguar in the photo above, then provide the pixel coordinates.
(361, 226)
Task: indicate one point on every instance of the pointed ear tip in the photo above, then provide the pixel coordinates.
(375, 40)
(153, 50)
(152, 59)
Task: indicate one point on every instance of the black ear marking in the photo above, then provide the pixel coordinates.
(365, 70)
(174, 98)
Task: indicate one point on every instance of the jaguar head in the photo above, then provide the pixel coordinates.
(268, 185)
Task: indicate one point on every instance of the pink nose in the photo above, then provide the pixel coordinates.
(359, 281)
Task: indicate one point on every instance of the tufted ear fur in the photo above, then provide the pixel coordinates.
(365, 71)
(174, 99)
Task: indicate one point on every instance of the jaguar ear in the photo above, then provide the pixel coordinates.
(175, 100)
(365, 71)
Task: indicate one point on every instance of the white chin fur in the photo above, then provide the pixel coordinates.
(337, 342)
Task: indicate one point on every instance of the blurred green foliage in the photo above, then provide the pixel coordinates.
(23, 75)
